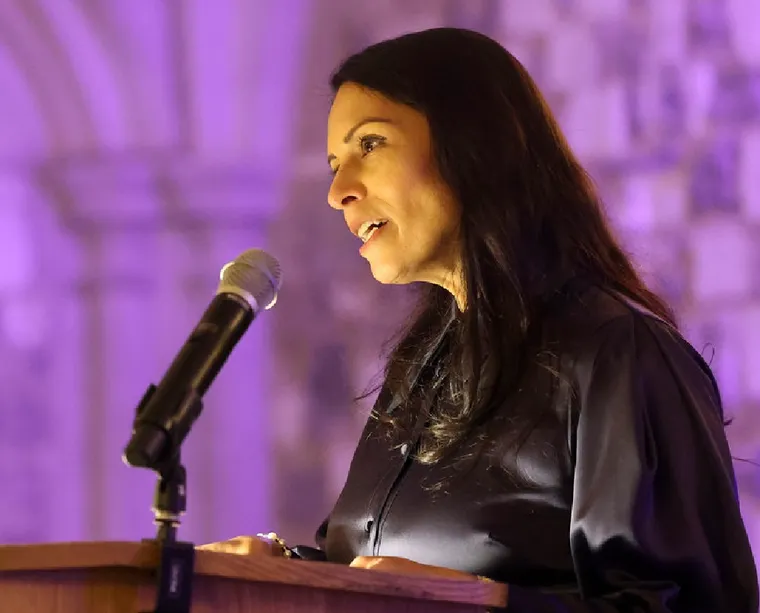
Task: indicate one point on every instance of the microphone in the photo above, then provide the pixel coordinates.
(248, 285)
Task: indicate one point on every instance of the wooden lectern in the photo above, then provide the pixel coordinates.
(119, 577)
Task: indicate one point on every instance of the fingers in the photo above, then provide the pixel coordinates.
(242, 545)
(364, 562)
(391, 564)
(404, 566)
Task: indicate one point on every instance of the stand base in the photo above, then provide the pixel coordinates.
(175, 576)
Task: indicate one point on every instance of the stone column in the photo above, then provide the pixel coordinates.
(115, 210)
(121, 341)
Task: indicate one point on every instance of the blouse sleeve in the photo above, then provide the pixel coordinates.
(313, 554)
(655, 524)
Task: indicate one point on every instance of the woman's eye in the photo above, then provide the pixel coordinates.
(368, 143)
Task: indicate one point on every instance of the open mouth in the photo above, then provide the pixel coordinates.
(368, 229)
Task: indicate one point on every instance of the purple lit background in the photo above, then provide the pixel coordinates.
(144, 144)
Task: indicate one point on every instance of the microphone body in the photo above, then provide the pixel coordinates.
(209, 345)
(168, 410)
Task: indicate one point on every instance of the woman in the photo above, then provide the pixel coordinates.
(541, 421)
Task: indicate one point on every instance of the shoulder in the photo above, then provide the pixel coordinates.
(604, 337)
(595, 313)
(599, 318)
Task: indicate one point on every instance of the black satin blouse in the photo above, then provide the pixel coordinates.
(621, 497)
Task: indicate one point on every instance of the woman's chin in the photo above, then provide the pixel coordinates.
(386, 273)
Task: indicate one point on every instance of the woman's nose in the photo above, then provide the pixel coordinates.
(345, 190)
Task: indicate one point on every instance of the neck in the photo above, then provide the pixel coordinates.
(454, 283)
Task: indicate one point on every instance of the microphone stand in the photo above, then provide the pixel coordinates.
(176, 558)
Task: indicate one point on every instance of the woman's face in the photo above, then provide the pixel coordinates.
(388, 187)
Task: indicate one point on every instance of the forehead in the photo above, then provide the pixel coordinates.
(354, 103)
(352, 100)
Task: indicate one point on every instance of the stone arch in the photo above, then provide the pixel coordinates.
(25, 134)
(131, 157)
(68, 72)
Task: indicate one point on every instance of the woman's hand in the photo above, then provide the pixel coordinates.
(245, 546)
(403, 566)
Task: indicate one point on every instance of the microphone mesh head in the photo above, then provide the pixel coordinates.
(255, 275)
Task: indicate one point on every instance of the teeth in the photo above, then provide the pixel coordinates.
(368, 236)
(368, 228)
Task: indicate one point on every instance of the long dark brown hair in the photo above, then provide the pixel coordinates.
(531, 223)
